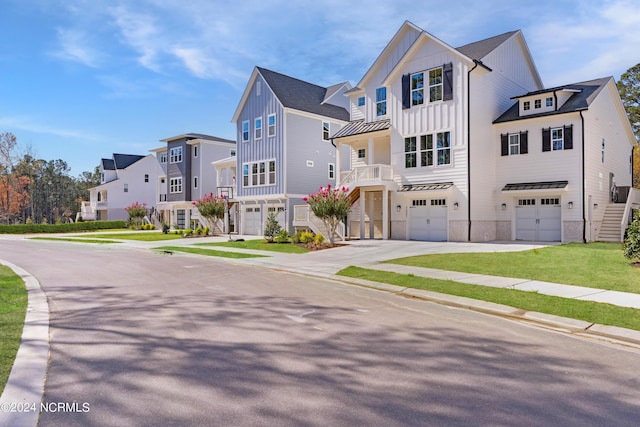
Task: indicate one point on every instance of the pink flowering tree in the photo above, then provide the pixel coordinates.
(211, 208)
(136, 211)
(331, 205)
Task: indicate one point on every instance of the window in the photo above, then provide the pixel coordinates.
(245, 175)
(175, 155)
(361, 101)
(410, 154)
(195, 151)
(325, 131)
(549, 101)
(175, 185)
(309, 163)
(417, 89)
(426, 150)
(443, 145)
(435, 85)
(259, 173)
(526, 202)
(271, 125)
(146, 177)
(245, 131)
(195, 182)
(272, 172)
(258, 128)
(232, 152)
(438, 202)
(550, 201)
(419, 202)
(126, 188)
(556, 139)
(602, 150)
(163, 157)
(526, 105)
(332, 171)
(362, 153)
(262, 173)
(537, 103)
(514, 143)
(254, 174)
(381, 101)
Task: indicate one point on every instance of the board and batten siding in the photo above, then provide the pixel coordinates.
(308, 156)
(266, 148)
(180, 169)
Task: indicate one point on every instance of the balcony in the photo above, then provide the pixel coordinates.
(368, 175)
(227, 191)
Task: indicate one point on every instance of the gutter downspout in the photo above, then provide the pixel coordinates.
(584, 203)
(476, 63)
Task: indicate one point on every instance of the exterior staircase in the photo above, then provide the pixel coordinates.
(610, 228)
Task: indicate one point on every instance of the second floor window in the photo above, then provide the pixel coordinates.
(245, 131)
(381, 101)
(325, 131)
(417, 89)
(435, 85)
(175, 185)
(258, 128)
(175, 155)
(271, 125)
(426, 152)
(163, 157)
(332, 171)
(195, 151)
(146, 177)
(259, 173)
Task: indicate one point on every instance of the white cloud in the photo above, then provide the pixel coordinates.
(140, 32)
(75, 47)
(30, 124)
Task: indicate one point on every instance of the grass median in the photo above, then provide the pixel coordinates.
(605, 314)
(261, 245)
(207, 252)
(13, 307)
(593, 265)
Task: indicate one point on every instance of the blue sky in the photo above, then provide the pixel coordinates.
(82, 79)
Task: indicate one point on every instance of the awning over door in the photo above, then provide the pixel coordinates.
(426, 187)
(546, 185)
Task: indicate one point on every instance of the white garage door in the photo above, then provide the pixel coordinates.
(539, 220)
(428, 220)
(252, 221)
(279, 211)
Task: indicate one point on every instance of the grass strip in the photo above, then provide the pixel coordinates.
(593, 265)
(74, 239)
(13, 307)
(208, 252)
(594, 312)
(147, 236)
(261, 245)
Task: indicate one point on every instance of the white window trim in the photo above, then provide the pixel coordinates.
(515, 137)
(381, 101)
(326, 131)
(175, 185)
(163, 157)
(257, 131)
(243, 132)
(195, 182)
(556, 140)
(412, 90)
(434, 150)
(195, 151)
(441, 84)
(175, 155)
(270, 127)
(331, 172)
(268, 180)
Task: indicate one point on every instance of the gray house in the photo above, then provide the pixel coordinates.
(187, 175)
(284, 151)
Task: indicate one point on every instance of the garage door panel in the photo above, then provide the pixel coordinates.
(539, 220)
(252, 216)
(428, 221)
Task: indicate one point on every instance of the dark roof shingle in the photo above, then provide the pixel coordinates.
(481, 48)
(123, 161)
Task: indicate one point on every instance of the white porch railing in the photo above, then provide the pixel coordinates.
(367, 174)
(303, 217)
(633, 202)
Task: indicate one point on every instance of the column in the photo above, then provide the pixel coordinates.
(363, 198)
(385, 214)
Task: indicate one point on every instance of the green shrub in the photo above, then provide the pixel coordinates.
(206, 231)
(165, 228)
(631, 244)
(198, 231)
(271, 228)
(318, 239)
(188, 232)
(61, 228)
(282, 237)
(306, 237)
(295, 239)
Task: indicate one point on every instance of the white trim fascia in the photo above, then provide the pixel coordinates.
(532, 63)
(158, 150)
(210, 142)
(247, 92)
(615, 94)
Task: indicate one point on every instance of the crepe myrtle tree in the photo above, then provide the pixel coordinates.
(211, 208)
(331, 205)
(137, 211)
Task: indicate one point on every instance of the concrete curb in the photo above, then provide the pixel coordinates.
(20, 400)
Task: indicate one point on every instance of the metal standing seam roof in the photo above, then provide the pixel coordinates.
(426, 186)
(358, 127)
(547, 185)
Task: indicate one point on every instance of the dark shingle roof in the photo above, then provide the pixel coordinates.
(189, 136)
(587, 92)
(123, 161)
(107, 164)
(480, 49)
(301, 95)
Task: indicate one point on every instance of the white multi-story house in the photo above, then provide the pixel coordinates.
(124, 180)
(427, 159)
(186, 175)
(284, 150)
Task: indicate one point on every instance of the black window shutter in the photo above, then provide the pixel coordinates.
(504, 144)
(524, 142)
(447, 84)
(568, 137)
(546, 139)
(406, 92)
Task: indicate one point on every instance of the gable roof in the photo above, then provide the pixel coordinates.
(202, 136)
(123, 161)
(584, 94)
(480, 49)
(300, 95)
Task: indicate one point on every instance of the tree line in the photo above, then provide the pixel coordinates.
(39, 191)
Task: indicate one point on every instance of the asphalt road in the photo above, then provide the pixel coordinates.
(141, 338)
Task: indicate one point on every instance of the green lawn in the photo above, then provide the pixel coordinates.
(208, 252)
(594, 265)
(145, 236)
(74, 239)
(13, 307)
(262, 245)
(605, 314)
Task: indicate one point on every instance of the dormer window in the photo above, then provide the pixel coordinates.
(537, 103)
(526, 105)
(549, 101)
(361, 101)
